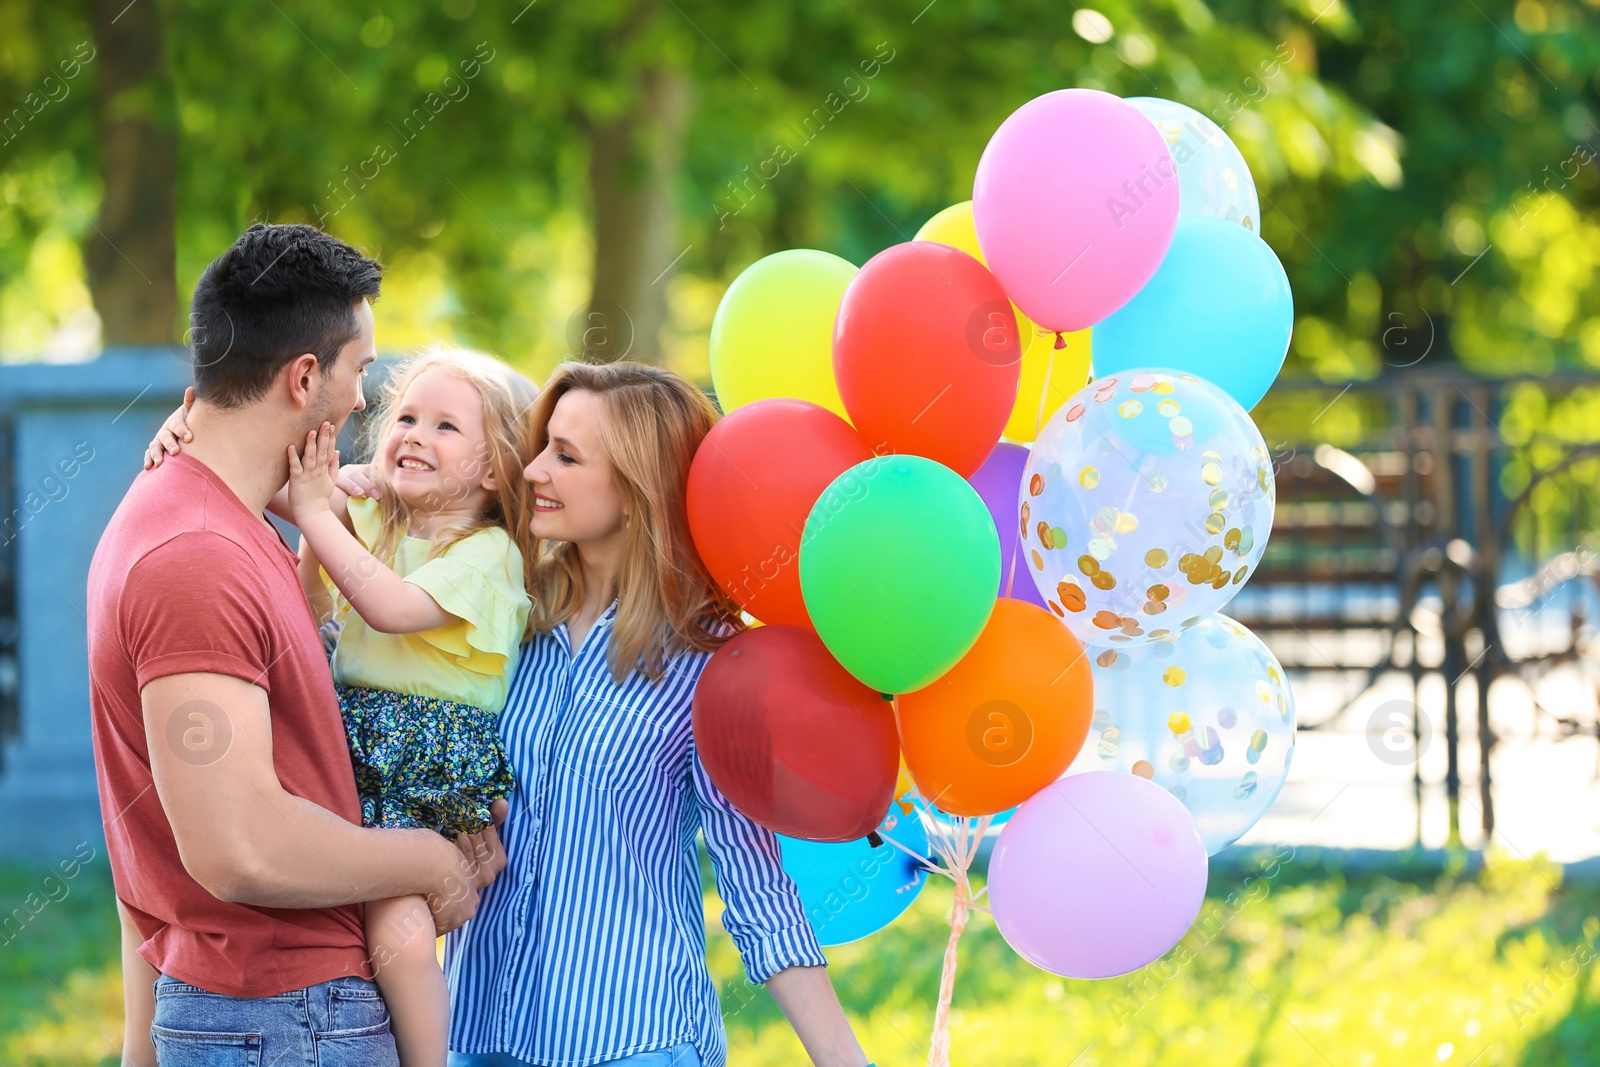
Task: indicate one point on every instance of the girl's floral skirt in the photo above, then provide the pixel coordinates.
(423, 762)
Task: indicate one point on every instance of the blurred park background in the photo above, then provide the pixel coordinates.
(544, 179)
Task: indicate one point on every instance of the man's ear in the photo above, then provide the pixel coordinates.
(297, 375)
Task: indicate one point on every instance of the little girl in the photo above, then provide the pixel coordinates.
(434, 607)
(432, 599)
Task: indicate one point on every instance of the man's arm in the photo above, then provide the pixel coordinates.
(138, 997)
(245, 839)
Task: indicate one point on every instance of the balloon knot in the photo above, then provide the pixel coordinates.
(1061, 342)
(887, 696)
(874, 840)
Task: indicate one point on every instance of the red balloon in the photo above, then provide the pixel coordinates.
(927, 355)
(792, 740)
(754, 480)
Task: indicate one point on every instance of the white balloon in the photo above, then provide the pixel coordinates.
(1213, 180)
(1207, 714)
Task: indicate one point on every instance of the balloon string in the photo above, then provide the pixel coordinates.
(1011, 568)
(939, 1049)
(958, 848)
(1038, 422)
(1044, 393)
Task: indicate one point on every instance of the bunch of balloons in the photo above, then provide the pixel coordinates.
(947, 617)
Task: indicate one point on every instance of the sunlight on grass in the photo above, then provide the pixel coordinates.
(60, 977)
(1310, 967)
(1318, 968)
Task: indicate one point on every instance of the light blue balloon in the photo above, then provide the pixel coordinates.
(850, 889)
(1219, 306)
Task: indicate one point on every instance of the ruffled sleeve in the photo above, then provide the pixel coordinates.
(478, 580)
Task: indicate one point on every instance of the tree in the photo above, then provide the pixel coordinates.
(133, 264)
(606, 168)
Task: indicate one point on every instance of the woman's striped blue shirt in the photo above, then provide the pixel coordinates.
(590, 945)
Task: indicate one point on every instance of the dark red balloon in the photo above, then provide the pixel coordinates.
(754, 480)
(927, 356)
(792, 739)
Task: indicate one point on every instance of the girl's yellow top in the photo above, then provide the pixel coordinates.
(479, 580)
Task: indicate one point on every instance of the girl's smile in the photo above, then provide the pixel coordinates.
(437, 454)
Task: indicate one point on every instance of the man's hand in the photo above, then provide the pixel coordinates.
(483, 850)
(246, 840)
(456, 900)
(311, 478)
(172, 432)
(481, 859)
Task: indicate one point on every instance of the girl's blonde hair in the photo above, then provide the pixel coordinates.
(667, 602)
(507, 398)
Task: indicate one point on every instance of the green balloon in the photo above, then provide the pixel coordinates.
(899, 562)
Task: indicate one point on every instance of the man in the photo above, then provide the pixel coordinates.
(230, 806)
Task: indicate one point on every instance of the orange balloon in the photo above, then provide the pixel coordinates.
(1005, 721)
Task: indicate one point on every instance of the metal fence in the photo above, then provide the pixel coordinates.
(1455, 540)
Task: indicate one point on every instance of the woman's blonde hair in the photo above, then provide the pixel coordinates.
(667, 601)
(507, 398)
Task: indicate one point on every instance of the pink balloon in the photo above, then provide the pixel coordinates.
(1075, 202)
(1097, 875)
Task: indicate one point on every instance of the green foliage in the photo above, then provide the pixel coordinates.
(1392, 142)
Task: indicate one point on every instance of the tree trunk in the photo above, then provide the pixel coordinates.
(132, 260)
(633, 172)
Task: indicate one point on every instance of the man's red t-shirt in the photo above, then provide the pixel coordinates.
(187, 579)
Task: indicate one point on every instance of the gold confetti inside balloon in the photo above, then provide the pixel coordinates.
(1149, 498)
(1207, 714)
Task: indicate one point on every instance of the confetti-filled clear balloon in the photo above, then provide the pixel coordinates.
(1146, 503)
(1206, 713)
(1213, 180)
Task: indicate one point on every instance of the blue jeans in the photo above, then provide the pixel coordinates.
(339, 1023)
(682, 1055)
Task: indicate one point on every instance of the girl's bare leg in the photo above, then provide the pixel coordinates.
(400, 939)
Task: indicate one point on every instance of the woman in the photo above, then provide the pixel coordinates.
(590, 946)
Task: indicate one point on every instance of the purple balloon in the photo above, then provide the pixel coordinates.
(1097, 875)
(999, 482)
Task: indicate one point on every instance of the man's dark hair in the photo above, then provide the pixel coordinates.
(278, 293)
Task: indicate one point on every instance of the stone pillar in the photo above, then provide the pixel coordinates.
(78, 431)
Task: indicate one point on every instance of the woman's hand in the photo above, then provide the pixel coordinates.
(358, 479)
(311, 478)
(172, 432)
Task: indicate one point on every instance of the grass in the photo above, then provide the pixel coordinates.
(1312, 966)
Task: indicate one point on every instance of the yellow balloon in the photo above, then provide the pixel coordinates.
(902, 786)
(773, 331)
(1069, 369)
(954, 227)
